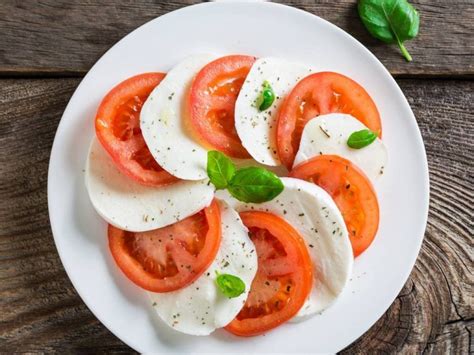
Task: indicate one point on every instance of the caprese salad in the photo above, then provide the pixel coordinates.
(237, 190)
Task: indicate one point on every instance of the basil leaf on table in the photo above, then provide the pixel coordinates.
(391, 21)
(361, 139)
(220, 169)
(230, 285)
(255, 184)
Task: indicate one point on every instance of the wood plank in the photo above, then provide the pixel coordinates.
(63, 37)
(443, 48)
(41, 312)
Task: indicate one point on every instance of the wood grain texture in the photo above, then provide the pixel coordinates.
(41, 312)
(64, 38)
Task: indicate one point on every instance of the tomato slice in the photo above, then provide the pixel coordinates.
(319, 94)
(168, 258)
(117, 126)
(212, 103)
(351, 190)
(284, 276)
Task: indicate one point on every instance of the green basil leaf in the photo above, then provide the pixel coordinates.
(231, 286)
(391, 21)
(361, 139)
(220, 169)
(266, 98)
(255, 184)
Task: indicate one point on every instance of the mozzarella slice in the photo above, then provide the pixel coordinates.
(328, 134)
(257, 130)
(279, 170)
(311, 211)
(200, 308)
(133, 207)
(163, 122)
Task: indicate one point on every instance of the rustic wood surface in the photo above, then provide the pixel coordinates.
(64, 37)
(43, 42)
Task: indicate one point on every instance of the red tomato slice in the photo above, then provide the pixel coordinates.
(319, 94)
(284, 277)
(212, 103)
(351, 190)
(168, 258)
(117, 126)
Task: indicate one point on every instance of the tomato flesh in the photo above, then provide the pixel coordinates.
(117, 126)
(352, 192)
(319, 94)
(212, 103)
(284, 275)
(168, 258)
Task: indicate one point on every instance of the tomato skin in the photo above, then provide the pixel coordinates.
(118, 130)
(211, 103)
(284, 278)
(318, 94)
(352, 192)
(138, 264)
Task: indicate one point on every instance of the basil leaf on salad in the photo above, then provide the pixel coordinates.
(391, 21)
(255, 184)
(220, 169)
(231, 286)
(266, 98)
(361, 139)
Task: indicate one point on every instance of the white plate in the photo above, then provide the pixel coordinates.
(242, 28)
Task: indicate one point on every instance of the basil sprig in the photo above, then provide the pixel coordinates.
(361, 139)
(220, 169)
(266, 98)
(391, 21)
(231, 286)
(252, 184)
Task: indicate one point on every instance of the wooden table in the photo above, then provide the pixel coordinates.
(47, 46)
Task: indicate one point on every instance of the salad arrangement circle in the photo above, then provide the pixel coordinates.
(238, 190)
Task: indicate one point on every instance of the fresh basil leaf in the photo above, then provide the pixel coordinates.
(255, 184)
(361, 139)
(220, 169)
(266, 98)
(231, 286)
(391, 21)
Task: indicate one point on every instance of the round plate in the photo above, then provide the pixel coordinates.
(260, 29)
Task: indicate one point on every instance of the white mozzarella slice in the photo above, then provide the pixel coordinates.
(163, 122)
(328, 134)
(257, 130)
(279, 170)
(311, 211)
(200, 308)
(133, 207)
